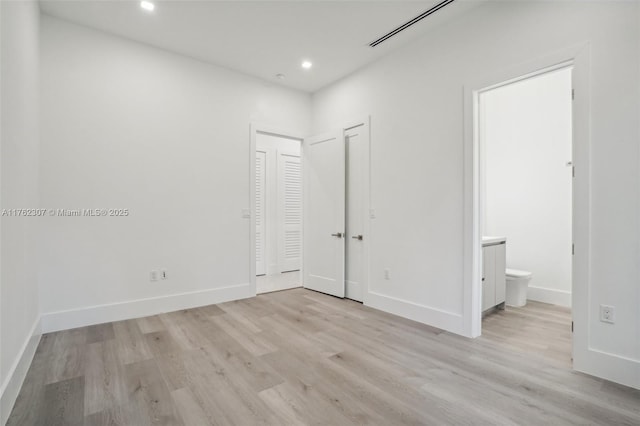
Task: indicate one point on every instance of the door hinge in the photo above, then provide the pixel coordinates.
(573, 171)
(572, 326)
(573, 249)
(573, 94)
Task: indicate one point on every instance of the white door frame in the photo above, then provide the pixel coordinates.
(256, 128)
(579, 58)
(271, 130)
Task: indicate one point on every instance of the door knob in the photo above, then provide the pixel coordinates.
(357, 237)
(339, 235)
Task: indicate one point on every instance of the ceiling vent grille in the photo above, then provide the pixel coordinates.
(415, 20)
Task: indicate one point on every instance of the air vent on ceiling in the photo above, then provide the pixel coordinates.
(406, 25)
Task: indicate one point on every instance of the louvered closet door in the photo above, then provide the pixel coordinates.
(289, 211)
(261, 189)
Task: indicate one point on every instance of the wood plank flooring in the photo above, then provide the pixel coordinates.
(300, 357)
(537, 328)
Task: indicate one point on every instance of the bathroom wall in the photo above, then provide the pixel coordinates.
(526, 140)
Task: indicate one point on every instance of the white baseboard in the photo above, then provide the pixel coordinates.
(549, 295)
(13, 383)
(448, 321)
(616, 368)
(63, 320)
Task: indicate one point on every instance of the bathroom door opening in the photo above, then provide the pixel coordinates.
(524, 131)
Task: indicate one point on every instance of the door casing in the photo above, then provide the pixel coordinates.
(579, 58)
(367, 209)
(256, 128)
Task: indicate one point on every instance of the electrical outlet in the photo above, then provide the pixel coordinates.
(387, 274)
(607, 314)
(163, 274)
(153, 275)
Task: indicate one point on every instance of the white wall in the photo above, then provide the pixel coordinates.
(19, 315)
(271, 144)
(415, 98)
(526, 144)
(125, 125)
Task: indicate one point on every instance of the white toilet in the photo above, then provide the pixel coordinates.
(517, 283)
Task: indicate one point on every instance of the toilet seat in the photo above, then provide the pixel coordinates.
(516, 273)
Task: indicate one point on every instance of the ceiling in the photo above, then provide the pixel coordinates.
(264, 38)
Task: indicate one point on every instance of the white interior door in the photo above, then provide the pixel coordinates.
(261, 180)
(355, 178)
(324, 213)
(289, 211)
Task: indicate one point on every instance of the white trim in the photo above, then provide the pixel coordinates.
(549, 295)
(434, 317)
(18, 371)
(98, 314)
(616, 368)
(276, 131)
(538, 72)
(578, 56)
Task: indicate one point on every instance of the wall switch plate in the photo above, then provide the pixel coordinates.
(607, 314)
(372, 213)
(153, 275)
(163, 274)
(387, 274)
(246, 213)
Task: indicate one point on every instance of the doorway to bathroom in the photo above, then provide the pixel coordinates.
(525, 185)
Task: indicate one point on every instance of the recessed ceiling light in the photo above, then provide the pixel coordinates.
(147, 5)
(306, 65)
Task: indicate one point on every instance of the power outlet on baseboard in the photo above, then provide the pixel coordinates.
(153, 275)
(163, 274)
(387, 274)
(607, 314)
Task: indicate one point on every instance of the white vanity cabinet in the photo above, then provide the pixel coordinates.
(494, 264)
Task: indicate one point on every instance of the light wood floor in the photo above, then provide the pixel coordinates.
(299, 357)
(537, 329)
